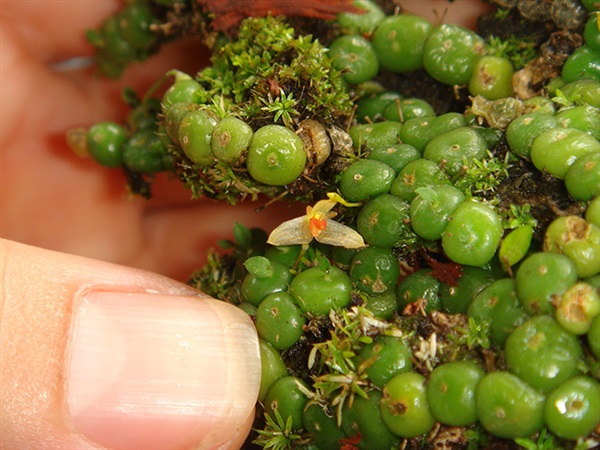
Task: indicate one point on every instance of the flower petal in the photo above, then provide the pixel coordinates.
(322, 207)
(340, 235)
(292, 232)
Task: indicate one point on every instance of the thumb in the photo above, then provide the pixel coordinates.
(95, 355)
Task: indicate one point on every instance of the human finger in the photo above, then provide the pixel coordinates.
(95, 355)
(460, 12)
(54, 30)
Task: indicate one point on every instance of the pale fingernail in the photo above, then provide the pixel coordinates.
(157, 371)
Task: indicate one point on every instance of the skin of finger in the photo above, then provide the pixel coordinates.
(178, 238)
(49, 197)
(54, 30)
(38, 287)
(460, 12)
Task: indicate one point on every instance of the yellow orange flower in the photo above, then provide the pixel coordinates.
(317, 224)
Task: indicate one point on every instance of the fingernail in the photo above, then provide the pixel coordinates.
(158, 371)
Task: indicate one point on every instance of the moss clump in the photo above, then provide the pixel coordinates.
(271, 75)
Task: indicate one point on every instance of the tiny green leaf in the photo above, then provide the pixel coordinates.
(428, 194)
(526, 443)
(259, 266)
(130, 97)
(366, 339)
(515, 246)
(242, 235)
(225, 244)
(545, 441)
(324, 263)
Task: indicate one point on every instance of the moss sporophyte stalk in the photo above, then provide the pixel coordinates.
(442, 289)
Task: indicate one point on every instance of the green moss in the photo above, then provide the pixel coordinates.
(271, 75)
(518, 50)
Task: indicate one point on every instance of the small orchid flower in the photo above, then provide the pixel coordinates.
(318, 224)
